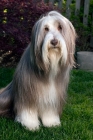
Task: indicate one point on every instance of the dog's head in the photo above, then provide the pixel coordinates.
(53, 41)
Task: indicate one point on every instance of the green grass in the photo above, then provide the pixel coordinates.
(76, 120)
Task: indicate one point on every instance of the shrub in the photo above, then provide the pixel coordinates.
(16, 22)
(84, 32)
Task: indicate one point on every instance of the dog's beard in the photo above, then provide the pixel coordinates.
(54, 53)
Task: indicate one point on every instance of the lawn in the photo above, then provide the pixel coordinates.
(76, 120)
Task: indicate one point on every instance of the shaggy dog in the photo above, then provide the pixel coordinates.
(38, 89)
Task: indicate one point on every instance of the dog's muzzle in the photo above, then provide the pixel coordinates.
(54, 42)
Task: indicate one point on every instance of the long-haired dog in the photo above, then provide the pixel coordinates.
(38, 89)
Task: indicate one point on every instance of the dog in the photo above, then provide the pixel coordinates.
(38, 89)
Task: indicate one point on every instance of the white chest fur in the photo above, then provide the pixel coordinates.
(48, 105)
(49, 95)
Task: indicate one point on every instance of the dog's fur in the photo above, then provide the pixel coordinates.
(38, 89)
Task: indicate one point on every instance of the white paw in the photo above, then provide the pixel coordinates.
(49, 120)
(32, 125)
(28, 119)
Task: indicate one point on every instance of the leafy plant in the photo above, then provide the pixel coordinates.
(84, 32)
(16, 21)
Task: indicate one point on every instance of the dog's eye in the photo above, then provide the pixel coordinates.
(59, 27)
(46, 29)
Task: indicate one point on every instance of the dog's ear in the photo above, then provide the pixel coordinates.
(34, 41)
(37, 38)
(69, 34)
(71, 43)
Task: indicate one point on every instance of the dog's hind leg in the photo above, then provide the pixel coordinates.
(6, 102)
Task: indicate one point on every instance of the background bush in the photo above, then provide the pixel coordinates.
(84, 32)
(17, 18)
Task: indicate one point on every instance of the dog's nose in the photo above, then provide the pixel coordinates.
(54, 42)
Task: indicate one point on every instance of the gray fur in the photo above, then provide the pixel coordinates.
(32, 74)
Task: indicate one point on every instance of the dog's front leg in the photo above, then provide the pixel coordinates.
(28, 118)
(50, 117)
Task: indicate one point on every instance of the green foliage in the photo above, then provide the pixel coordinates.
(84, 32)
(5, 76)
(76, 120)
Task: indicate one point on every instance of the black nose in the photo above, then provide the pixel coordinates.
(54, 42)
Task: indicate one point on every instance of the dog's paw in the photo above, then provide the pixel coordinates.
(28, 119)
(33, 126)
(50, 121)
(29, 124)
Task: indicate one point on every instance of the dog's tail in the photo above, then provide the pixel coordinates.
(6, 102)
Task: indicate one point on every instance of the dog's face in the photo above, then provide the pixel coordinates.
(54, 46)
(53, 38)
